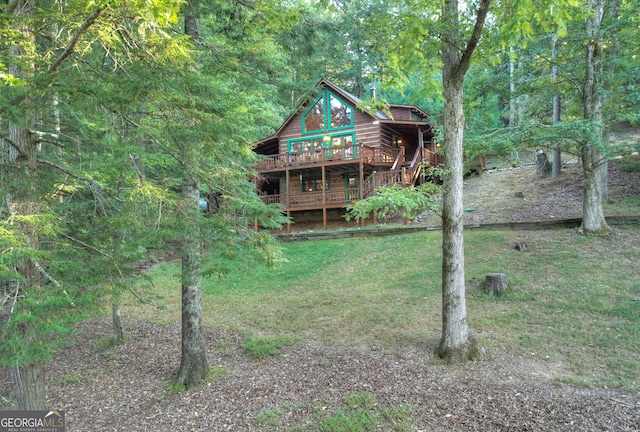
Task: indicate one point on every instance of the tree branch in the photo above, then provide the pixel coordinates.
(481, 16)
(76, 38)
(93, 185)
(42, 137)
(11, 143)
(44, 273)
(88, 246)
(64, 170)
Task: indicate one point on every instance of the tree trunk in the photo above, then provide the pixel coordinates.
(456, 344)
(28, 377)
(29, 384)
(512, 90)
(193, 366)
(29, 387)
(556, 164)
(116, 315)
(594, 162)
(543, 167)
(593, 220)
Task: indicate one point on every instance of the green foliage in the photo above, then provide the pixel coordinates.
(138, 109)
(390, 200)
(36, 328)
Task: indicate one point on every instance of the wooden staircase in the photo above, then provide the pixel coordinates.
(406, 176)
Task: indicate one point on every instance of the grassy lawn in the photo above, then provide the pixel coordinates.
(575, 299)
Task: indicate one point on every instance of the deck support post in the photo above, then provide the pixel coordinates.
(288, 186)
(324, 197)
(361, 169)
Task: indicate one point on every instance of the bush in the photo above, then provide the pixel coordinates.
(630, 163)
(390, 200)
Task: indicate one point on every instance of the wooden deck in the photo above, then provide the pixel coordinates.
(378, 156)
(388, 164)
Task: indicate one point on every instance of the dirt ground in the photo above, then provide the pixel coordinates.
(123, 388)
(519, 195)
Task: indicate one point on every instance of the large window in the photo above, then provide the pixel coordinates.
(327, 113)
(338, 145)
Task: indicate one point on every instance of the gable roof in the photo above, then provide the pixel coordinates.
(326, 84)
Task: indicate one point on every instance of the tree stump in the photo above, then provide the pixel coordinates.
(543, 166)
(495, 283)
(521, 246)
(118, 332)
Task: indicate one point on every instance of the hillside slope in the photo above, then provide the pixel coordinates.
(519, 195)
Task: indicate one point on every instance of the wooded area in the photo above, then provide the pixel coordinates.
(116, 118)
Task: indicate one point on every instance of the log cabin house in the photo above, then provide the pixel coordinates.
(331, 153)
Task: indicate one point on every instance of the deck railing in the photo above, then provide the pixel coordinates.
(315, 198)
(356, 152)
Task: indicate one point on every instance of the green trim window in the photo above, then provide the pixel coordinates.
(352, 186)
(342, 146)
(328, 113)
(340, 114)
(310, 144)
(338, 144)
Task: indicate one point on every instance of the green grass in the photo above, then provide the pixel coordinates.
(575, 300)
(265, 346)
(630, 163)
(215, 374)
(357, 412)
(628, 206)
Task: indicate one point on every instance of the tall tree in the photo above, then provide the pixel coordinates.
(556, 165)
(458, 31)
(221, 108)
(28, 377)
(594, 158)
(456, 343)
(193, 364)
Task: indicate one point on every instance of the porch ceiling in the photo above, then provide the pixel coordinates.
(409, 128)
(314, 169)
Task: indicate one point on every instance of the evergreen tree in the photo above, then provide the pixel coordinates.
(102, 113)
